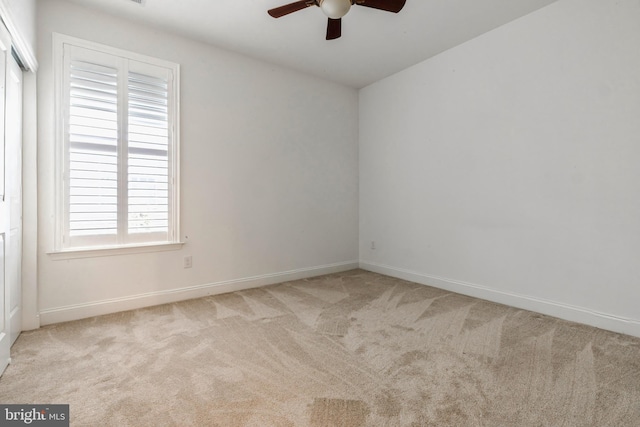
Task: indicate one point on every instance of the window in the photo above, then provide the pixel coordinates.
(118, 147)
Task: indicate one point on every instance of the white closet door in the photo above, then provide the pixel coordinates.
(5, 331)
(13, 189)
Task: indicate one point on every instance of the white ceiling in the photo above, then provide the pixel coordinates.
(374, 44)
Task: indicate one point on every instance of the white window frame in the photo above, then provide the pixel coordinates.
(96, 248)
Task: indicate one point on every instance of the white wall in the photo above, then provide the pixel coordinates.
(20, 19)
(269, 190)
(508, 167)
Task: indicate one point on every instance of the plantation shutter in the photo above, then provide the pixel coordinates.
(119, 183)
(148, 176)
(93, 143)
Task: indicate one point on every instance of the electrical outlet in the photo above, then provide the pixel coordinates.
(373, 245)
(188, 262)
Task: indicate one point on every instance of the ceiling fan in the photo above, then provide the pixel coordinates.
(336, 9)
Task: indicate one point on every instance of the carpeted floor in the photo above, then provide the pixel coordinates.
(351, 349)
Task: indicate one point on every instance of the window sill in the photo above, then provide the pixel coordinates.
(113, 251)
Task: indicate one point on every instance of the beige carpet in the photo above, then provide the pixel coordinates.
(351, 349)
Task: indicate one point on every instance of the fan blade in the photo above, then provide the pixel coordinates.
(334, 29)
(388, 5)
(290, 8)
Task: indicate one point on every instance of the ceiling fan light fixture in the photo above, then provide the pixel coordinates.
(335, 9)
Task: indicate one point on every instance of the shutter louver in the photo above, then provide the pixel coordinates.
(93, 143)
(148, 158)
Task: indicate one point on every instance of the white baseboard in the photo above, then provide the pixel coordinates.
(98, 308)
(539, 305)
